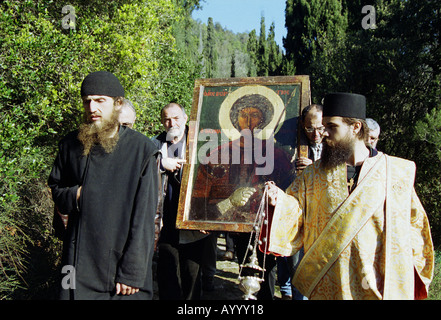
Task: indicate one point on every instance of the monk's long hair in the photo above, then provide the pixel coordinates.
(363, 134)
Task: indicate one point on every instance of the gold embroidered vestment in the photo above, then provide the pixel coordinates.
(374, 243)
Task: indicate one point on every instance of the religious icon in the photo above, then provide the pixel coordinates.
(243, 132)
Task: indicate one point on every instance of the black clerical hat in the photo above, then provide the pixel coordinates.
(347, 105)
(102, 83)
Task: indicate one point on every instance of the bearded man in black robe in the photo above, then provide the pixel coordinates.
(105, 179)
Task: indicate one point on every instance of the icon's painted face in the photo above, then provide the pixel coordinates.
(249, 118)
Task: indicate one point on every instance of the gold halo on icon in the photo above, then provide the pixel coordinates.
(224, 112)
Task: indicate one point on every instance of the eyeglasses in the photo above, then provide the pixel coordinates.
(319, 130)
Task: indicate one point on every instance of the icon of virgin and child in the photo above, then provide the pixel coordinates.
(230, 180)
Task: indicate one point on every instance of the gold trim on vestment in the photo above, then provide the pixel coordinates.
(347, 221)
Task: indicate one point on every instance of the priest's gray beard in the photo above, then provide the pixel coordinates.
(336, 153)
(91, 134)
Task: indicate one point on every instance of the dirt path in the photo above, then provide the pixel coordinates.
(226, 278)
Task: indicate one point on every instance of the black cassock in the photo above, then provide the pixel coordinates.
(110, 232)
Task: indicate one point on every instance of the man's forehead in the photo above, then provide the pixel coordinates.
(95, 97)
(127, 111)
(332, 120)
(314, 116)
(172, 112)
(314, 112)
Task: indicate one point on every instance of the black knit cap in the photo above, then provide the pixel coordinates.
(102, 83)
(347, 105)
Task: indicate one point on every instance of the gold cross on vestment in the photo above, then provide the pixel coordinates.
(351, 183)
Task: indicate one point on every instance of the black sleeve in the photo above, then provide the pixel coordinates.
(139, 247)
(63, 194)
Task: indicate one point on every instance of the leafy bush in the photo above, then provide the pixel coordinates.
(41, 69)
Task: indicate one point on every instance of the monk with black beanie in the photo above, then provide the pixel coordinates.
(104, 178)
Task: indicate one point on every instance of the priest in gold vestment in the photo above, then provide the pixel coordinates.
(356, 213)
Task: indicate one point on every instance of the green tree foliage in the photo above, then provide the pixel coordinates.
(307, 23)
(41, 69)
(275, 56)
(210, 53)
(262, 50)
(252, 47)
(266, 57)
(213, 47)
(194, 40)
(233, 65)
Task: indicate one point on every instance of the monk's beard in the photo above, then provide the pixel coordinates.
(337, 153)
(91, 134)
(174, 133)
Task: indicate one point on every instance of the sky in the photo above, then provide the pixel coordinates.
(244, 15)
